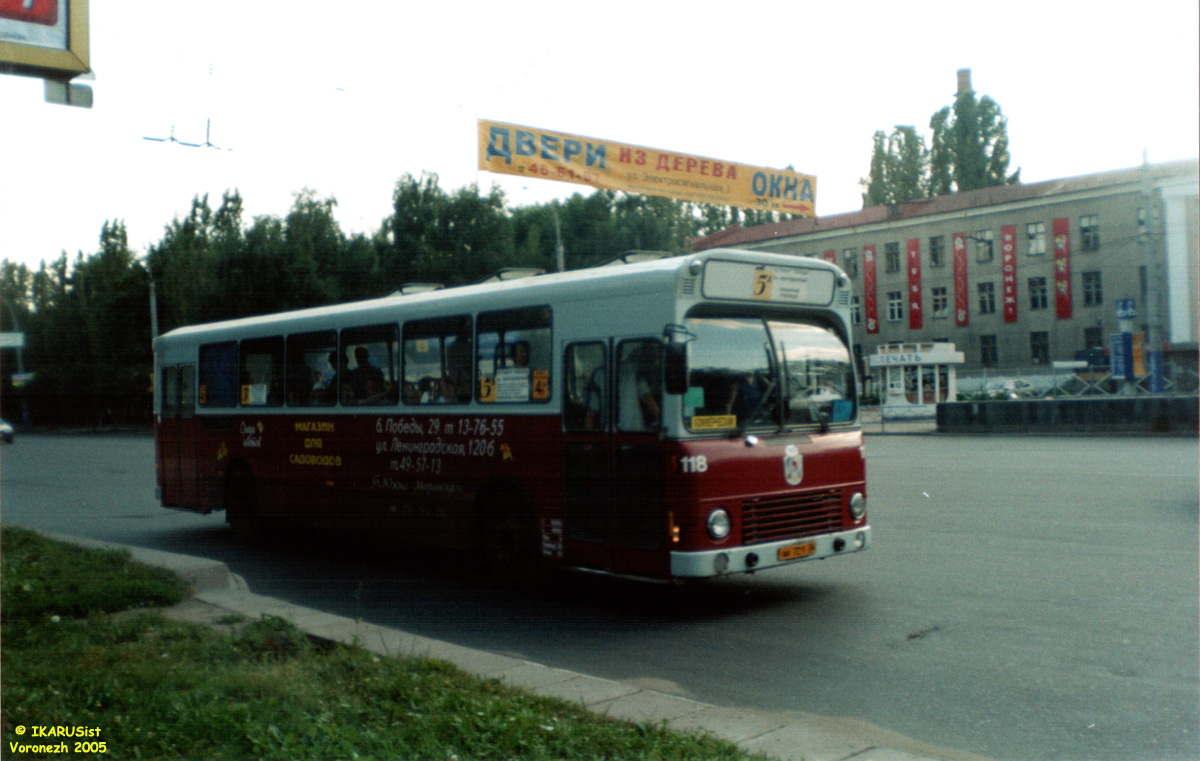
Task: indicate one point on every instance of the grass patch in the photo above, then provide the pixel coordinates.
(160, 689)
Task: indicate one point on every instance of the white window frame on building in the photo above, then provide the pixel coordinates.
(989, 351)
(895, 305)
(987, 297)
(1093, 289)
(937, 251)
(1089, 232)
(891, 256)
(983, 241)
(1039, 347)
(1039, 296)
(939, 297)
(1035, 238)
(850, 261)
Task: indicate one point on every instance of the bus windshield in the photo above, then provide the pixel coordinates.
(753, 372)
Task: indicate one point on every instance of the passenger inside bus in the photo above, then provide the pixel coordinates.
(639, 386)
(365, 383)
(520, 354)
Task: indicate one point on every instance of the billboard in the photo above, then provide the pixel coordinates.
(538, 153)
(44, 38)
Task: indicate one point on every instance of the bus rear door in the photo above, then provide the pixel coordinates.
(177, 437)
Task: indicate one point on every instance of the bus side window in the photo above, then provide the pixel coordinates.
(639, 385)
(437, 361)
(219, 375)
(261, 376)
(513, 350)
(372, 365)
(585, 393)
(312, 369)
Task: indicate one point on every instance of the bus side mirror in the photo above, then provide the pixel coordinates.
(675, 372)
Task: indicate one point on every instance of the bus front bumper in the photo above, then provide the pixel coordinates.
(757, 557)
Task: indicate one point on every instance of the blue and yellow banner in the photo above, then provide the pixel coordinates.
(539, 153)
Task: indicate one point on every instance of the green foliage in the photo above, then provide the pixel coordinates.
(41, 579)
(88, 319)
(899, 168)
(161, 689)
(968, 151)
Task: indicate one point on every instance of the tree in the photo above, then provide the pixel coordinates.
(968, 150)
(972, 141)
(899, 167)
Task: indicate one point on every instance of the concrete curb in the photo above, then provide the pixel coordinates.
(217, 592)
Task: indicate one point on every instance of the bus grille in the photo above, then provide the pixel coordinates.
(766, 519)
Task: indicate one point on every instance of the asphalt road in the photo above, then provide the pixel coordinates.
(1026, 598)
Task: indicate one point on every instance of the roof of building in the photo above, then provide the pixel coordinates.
(957, 202)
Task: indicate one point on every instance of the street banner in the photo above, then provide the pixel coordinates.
(962, 296)
(543, 154)
(915, 313)
(1008, 271)
(870, 302)
(1062, 268)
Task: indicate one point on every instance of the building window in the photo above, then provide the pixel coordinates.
(987, 298)
(855, 310)
(1038, 297)
(1089, 232)
(989, 355)
(1093, 289)
(1039, 347)
(984, 251)
(895, 306)
(891, 256)
(850, 261)
(941, 301)
(937, 251)
(1035, 238)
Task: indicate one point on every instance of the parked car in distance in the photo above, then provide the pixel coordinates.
(1010, 389)
(6, 431)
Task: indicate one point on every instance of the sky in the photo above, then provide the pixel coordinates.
(346, 98)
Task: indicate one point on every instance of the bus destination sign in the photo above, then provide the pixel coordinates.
(741, 281)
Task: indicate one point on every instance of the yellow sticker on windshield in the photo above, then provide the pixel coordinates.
(713, 422)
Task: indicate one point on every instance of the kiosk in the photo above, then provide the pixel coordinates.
(911, 378)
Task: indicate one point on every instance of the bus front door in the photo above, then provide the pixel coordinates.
(613, 495)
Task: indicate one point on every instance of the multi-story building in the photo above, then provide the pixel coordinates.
(1017, 277)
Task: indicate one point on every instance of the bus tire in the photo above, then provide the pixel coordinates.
(508, 539)
(241, 505)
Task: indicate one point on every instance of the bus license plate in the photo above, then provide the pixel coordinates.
(797, 551)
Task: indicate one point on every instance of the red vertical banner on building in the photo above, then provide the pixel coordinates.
(1008, 270)
(915, 312)
(962, 297)
(1062, 267)
(830, 256)
(870, 302)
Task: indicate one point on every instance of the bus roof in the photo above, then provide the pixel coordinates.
(644, 275)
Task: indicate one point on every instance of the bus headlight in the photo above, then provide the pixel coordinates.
(718, 524)
(858, 505)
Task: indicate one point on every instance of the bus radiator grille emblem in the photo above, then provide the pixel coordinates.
(793, 465)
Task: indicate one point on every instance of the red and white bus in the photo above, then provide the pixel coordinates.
(683, 417)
